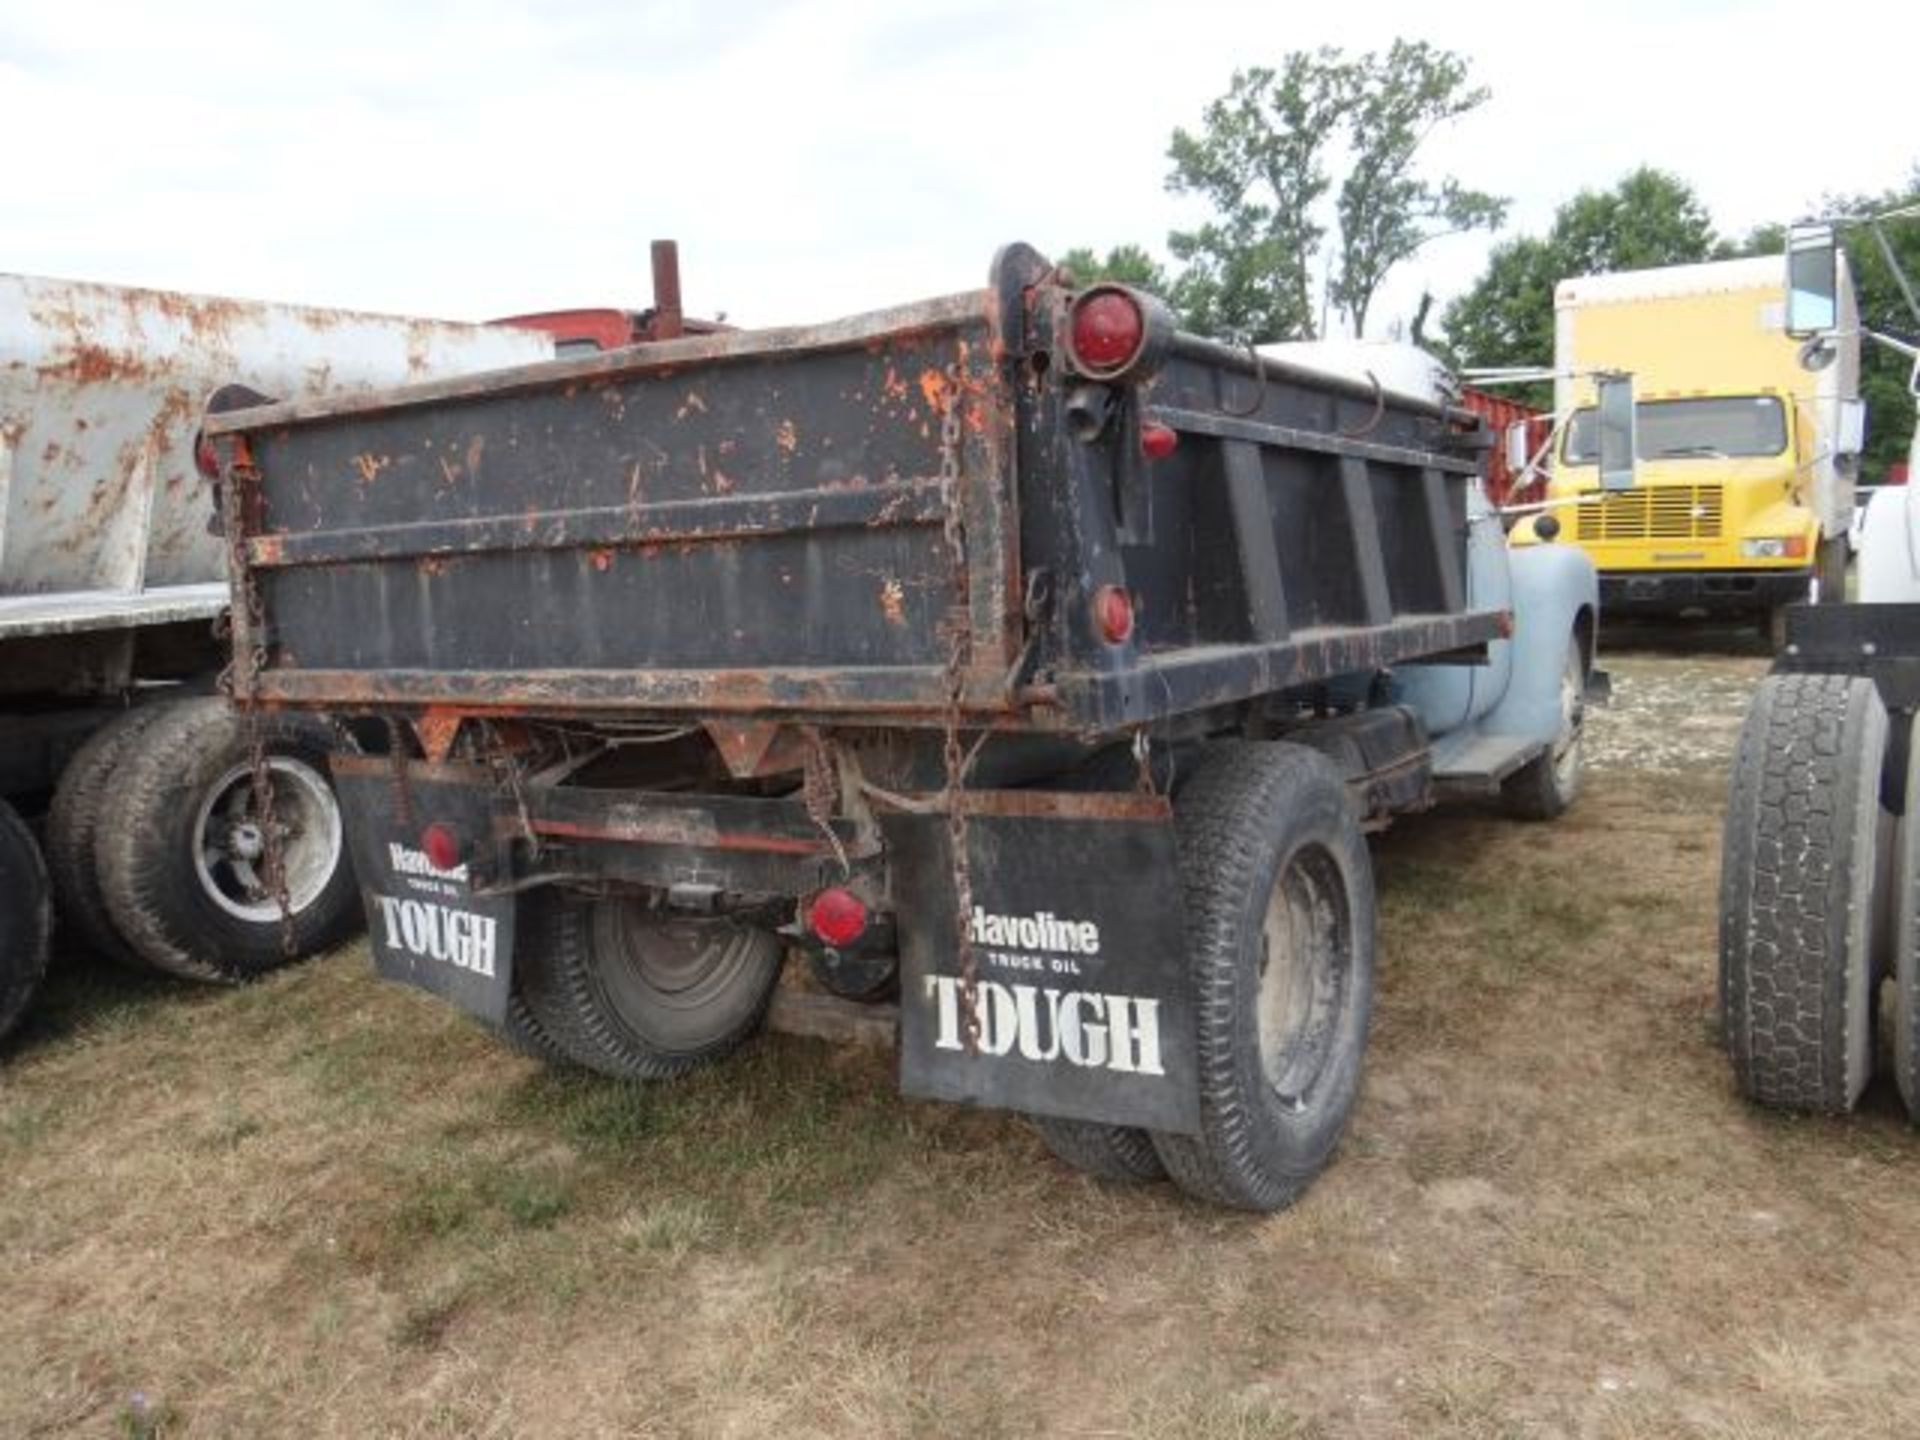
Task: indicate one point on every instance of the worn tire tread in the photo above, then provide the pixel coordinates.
(1225, 815)
(1796, 892)
(73, 823)
(1121, 1154)
(26, 922)
(554, 972)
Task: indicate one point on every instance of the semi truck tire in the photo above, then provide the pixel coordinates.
(629, 991)
(182, 857)
(26, 917)
(1796, 892)
(1905, 882)
(73, 824)
(1280, 923)
(1548, 784)
(1119, 1153)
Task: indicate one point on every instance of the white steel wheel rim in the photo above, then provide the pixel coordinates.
(1306, 972)
(230, 845)
(1573, 715)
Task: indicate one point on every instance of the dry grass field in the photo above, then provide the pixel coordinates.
(322, 1206)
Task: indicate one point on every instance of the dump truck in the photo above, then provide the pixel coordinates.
(1744, 489)
(1027, 670)
(148, 793)
(1820, 868)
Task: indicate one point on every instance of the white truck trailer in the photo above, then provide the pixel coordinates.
(113, 738)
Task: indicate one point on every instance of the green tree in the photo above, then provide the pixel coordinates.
(1261, 158)
(1124, 265)
(1386, 211)
(1649, 218)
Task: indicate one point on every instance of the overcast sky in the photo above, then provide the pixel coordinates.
(466, 160)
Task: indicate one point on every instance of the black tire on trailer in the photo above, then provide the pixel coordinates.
(1120, 1153)
(1546, 785)
(84, 792)
(26, 917)
(182, 853)
(1280, 922)
(523, 1034)
(636, 993)
(1905, 882)
(1796, 892)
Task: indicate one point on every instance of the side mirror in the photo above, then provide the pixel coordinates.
(1812, 281)
(1517, 452)
(1851, 436)
(1614, 412)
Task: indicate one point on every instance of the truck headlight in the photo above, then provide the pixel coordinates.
(1792, 547)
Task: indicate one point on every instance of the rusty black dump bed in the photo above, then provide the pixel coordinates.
(752, 523)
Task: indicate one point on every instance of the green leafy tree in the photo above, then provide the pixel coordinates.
(1123, 265)
(1261, 159)
(1387, 212)
(1649, 218)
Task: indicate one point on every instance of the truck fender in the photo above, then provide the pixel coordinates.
(1556, 595)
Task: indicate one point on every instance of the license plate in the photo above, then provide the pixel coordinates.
(425, 925)
(1078, 937)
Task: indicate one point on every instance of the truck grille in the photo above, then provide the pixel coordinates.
(1666, 512)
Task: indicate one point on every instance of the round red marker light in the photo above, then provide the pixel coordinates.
(1158, 441)
(838, 917)
(1107, 331)
(441, 846)
(1113, 613)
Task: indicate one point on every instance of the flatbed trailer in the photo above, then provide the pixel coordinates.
(1032, 667)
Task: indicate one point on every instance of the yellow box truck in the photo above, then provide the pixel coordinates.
(1743, 486)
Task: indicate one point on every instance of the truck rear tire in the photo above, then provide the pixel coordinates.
(73, 824)
(1280, 922)
(1548, 784)
(1796, 892)
(26, 917)
(634, 993)
(1119, 1153)
(182, 861)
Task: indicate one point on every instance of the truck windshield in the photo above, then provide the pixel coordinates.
(1675, 429)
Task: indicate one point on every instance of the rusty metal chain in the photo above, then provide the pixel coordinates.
(959, 645)
(241, 682)
(820, 791)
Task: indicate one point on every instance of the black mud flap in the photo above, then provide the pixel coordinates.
(1079, 941)
(425, 925)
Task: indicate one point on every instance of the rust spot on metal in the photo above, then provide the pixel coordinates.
(370, 466)
(437, 730)
(602, 558)
(786, 437)
(893, 602)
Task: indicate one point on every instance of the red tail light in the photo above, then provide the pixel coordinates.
(1158, 441)
(441, 846)
(1107, 331)
(838, 917)
(1113, 613)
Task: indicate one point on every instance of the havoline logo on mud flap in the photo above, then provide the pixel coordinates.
(432, 931)
(1046, 1023)
(1080, 992)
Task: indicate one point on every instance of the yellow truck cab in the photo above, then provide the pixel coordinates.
(1743, 487)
